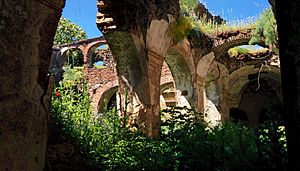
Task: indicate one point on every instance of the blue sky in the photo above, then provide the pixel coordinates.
(236, 10)
(83, 12)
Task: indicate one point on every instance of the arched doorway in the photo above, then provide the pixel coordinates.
(108, 100)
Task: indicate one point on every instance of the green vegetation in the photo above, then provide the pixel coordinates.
(184, 143)
(187, 7)
(211, 27)
(239, 50)
(68, 32)
(189, 23)
(265, 29)
(75, 58)
(181, 28)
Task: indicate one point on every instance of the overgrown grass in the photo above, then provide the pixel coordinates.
(242, 50)
(189, 21)
(211, 27)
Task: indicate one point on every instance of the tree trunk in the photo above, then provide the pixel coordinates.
(288, 20)
(27, 30)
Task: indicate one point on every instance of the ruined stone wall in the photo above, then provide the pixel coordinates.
(96, 76)
(27, 30)
(106, 56)
(101, 80)
(202, 12)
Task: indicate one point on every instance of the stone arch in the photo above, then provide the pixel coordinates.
(257, 102)
(245, 77)
(105, 98)
(165, 86)
(225, 41)
(182, 77)
(87, 47)
(237, 80)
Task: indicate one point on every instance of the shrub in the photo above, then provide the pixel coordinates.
(185, 142)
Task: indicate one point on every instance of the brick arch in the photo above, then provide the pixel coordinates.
(90, 48)
(167, 98)
(255, 102)
(86, 46)
(166, 86)
(98, 93)
(105, 97)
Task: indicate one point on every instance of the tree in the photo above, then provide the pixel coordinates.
(265, 30)
(68, 32)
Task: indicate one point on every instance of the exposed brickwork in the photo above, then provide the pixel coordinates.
(100, 75)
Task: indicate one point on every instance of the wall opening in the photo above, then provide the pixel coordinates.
(108, 100)
(74, 58)
(102, 57)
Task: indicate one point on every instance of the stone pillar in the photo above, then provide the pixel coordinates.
(87, 57)
(155, 62)
(200, 94)
(225, 106)
(27, 31)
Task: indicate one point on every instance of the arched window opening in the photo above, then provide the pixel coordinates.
(102, 57)
(108, 100)
(74, 58)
